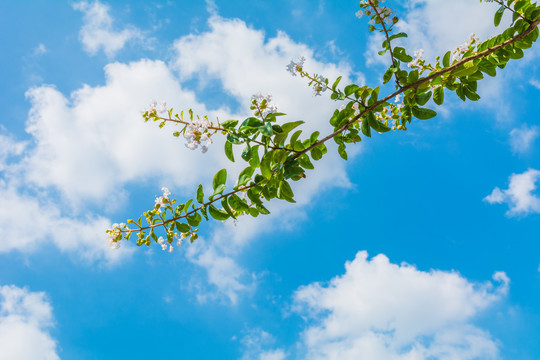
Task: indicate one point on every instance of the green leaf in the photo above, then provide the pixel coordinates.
(467, 69)
(217, 214)
(342, 152)
(285, 192)
(186, 207)
(219, 190)
(229, 150)
(387, 76)
(446, 59)
(229, 124)
(423, 113)
(219, 179)
(366, 129)
(234, 139)
(316, 154)
(194, 220)
(398, 35)
(349, 89)
(225, 204)
(295, 136)
(250, 123)
(245, 176)
(401, 55)
(336, 83)
(422, 99)
(438, 95)
(287, 127)
(266, 130)
(237, 203)
(266, 171)
(498, 15)
(183, 228)
(200, 194)
(246, 154)
(377, 125)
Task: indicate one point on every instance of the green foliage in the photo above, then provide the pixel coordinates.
(278, 154)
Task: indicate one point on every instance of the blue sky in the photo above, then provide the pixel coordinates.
(424, 245)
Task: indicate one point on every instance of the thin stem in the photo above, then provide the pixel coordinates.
(514, 11)
(387, 35)
(175, 218)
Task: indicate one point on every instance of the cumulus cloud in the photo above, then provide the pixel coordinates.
(379, 310)
(521, 139)
(98, 32)
(535, 83)
(520, 195)
(257, 345)
(25, 318)
(9, 147)
(88, 145)
(28, 224)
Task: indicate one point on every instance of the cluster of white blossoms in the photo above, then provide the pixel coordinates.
(384, 12)
(114, 233)
(157, 108)
(197, 134)
(165, 246)
(162, 200)
(296, 66)
(264, 104)
(458, 53)
(320, 85)
(416, 63)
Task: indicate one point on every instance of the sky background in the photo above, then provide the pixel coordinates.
(424, 245)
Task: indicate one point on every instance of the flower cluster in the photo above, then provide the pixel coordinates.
(296, 66)
(157, 108)
(162, 200)
(320, 85)
(115, 235)
(263, 104)
(377, 13)
(417, 62)
(197, 134)
(458, 53)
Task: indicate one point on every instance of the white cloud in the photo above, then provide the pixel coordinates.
(520, 195)
(87, 146)
(25, 318)
(535, 83)
(91, 145)
(9, 147)
(522, 139)
(256, 345)
(27, 225)
(379, 310)
(40, 50)
(98, 31)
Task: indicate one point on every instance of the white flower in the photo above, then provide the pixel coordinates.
(359, 14)
(164, 247)
(171, 249)
(419, 53)
(162, 108)
(166, 191)
(161, 240)
(293, 66)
